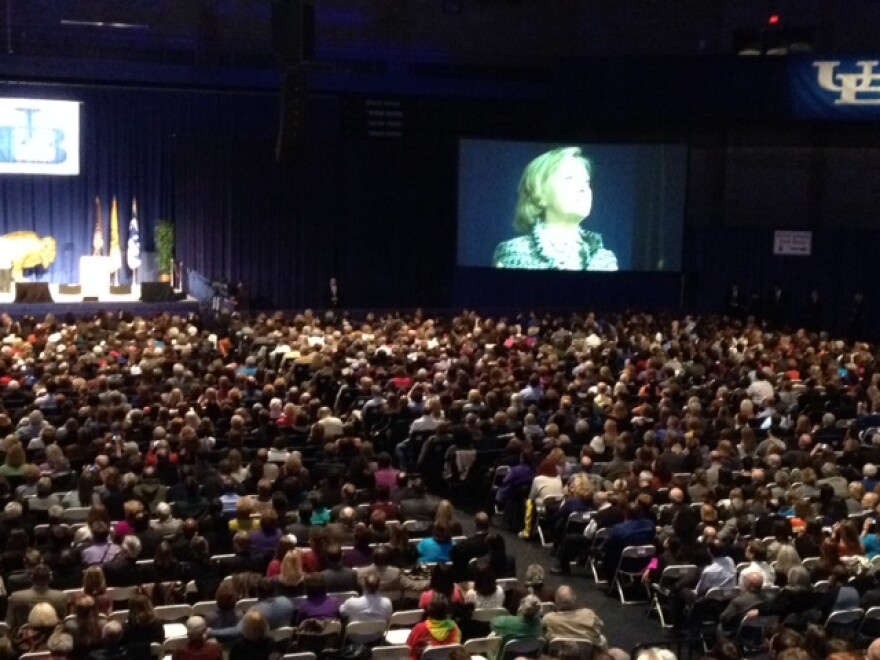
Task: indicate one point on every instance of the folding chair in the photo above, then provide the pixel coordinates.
(205, 608)
(844, 620)
(633, 561)
(119, 615)
(299, 656)
(547, 607)
(243, 605)
(481, 648)
(440, 652)
(669, 577)
(75, 514)
(598, 540)
(751, 636)
(530, 648)
(282, 634)
(870, 628)
(364, 632)
(585, 646)
(386, 653)
(173, 644)
(486, 614)
(400, 626)
(550, 503)
(39, 655)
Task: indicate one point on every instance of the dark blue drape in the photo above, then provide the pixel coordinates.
(127, 138)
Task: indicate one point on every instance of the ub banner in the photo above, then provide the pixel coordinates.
(39, 136)
(836, 87)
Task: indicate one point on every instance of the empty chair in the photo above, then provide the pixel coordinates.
(669, 576)
(386, 653)
(482, 647)
(633, 562)
(400, 626)
(440, 652)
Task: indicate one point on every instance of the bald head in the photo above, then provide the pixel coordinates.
(676, 496)
(481, 521)
(754, 582)
(873, 651)
(565, 598)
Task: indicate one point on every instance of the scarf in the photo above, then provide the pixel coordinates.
(440, 630)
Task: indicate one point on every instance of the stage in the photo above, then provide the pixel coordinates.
(74, 303)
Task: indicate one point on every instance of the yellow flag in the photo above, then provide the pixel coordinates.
(115, 251)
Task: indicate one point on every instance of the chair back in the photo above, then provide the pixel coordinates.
(486, 614)
(406, 618)
(440, 652)
(530, 648)
(365, 632)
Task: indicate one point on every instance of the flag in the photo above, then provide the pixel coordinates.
(133, 250)
(115, 253)
(98, 237)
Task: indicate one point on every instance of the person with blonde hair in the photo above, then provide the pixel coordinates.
(446, 514)
(554, 198)
(243, 521)
(33, 636)
(291, 575)
(254, 641)
(94, 584)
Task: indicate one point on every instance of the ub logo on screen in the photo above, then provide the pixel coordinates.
(39, 137)
(855, 85)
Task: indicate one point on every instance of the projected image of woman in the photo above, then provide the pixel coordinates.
(554, 199)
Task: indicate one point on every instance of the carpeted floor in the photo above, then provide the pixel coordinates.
(625, 625)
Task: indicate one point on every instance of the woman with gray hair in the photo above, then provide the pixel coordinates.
(526, 624)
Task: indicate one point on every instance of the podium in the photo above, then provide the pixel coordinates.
(94, 276)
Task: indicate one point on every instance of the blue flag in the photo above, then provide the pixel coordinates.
(133, 253)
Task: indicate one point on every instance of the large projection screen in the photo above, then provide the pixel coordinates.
(39, 136)
(571, 206)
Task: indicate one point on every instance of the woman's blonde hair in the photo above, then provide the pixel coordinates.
(444, 512)
(581, 487)
(291, 569)
(254, 626)
(532, 200)
(43, 615)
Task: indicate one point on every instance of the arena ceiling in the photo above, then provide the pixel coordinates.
(385, 34)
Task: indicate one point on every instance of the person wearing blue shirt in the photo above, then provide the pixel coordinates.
(436, 548)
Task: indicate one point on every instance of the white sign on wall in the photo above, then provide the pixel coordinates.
(793, 243)
(39, 136)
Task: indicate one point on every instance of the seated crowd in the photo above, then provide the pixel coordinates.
(264, 481)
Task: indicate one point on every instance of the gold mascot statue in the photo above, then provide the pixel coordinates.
(25, 249)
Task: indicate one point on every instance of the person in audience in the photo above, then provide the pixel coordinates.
(472, 547)
(84, 626)
(437, 547)
(389, 576)
(485, 592)
(442, 582)
(198, 647)
(101, 550)
(526, 624)
(436, 630)
(756, 555)
(317, 605)
(94, 584)
(226, 614)
(21, 602)
(369, 607)
(276, 610)
(749, 599)
(569, 620)
(123, 570)
(839, 595)
(336, 576)
(254, 643)
(143, 627)
(361, 553)
(33, 636)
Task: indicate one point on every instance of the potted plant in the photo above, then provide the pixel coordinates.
(165, 249)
